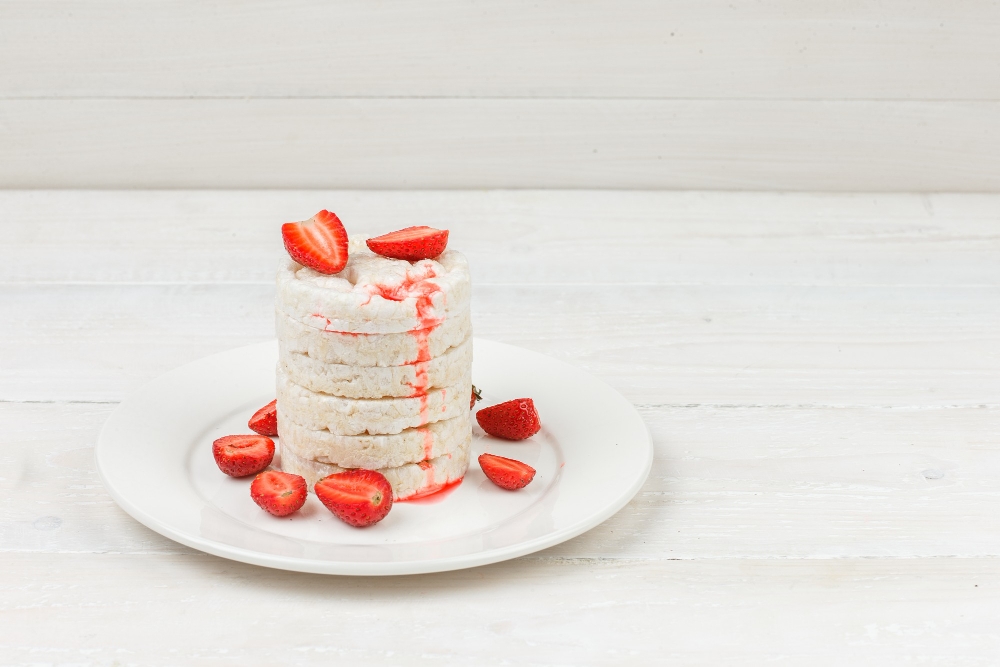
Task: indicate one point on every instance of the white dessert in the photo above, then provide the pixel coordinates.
(351, 349)
(408, 480)
(445, 370)
(375, 416)
(374, 369)
(376, 295)
(375, 451)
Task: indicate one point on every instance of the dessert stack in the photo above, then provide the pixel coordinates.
(374, 369)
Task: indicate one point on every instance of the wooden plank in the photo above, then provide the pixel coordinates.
(770, 346)
(657, 344)
(818, 374)
(500, 143)
(777, 49)
(727, 482)
(517, 237)
(54, 500)
(197, 610)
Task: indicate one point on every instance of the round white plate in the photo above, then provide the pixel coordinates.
(592, 455)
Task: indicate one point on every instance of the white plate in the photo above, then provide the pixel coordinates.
(592, 455)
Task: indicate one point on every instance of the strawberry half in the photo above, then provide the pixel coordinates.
(511, 420)
(242, 455)
(265, 420)
(278, 493)
(477, 395)
(319, 242)
(506, 473)
(357, 497)
(412, 243)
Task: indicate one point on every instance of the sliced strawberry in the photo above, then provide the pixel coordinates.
(357, 497)
(265, 420)
(477, 395)
(506, 473)
(412, 243)
(278, 493)
(242, 455)
(512, 420)
(319, 242)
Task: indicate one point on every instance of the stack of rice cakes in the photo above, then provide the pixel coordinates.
(375, 369)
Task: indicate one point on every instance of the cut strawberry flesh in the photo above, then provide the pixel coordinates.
(351, 491)
(265, 420)
(412, 243)
(358, 497)
(276, 484)
(245, 446)
(319, 242)
(279, 493)
(410, 234)
(242, 455)
(506, 473)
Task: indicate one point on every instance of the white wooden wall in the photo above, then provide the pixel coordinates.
(771, 95)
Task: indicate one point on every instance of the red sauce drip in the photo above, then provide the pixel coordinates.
(428, 469)
(419, 386)
(326, 327)
(428, 442)
(432, 494)
(412, 285)
(415, 285)
(422, 337)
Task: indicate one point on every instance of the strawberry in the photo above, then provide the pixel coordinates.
(357, 497)
(242, 455)
(412, 243)
(512, 420)
(506, 473)
(477, 395)
(278, 493)
(319, 242)
(265, 420)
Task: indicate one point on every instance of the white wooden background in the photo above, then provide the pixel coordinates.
(820, 374)
(854, 95)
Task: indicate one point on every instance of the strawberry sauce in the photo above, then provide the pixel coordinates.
(432, 494)
(416, 285)
(428, 443)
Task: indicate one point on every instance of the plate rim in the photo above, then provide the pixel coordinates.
(347, 568)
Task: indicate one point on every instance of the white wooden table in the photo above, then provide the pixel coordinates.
(820, 373)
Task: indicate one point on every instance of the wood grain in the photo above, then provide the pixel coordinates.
(674, 298)
(518, 237)
(818, 374)
(727, 482)
(500, 143)
(632, 94)
(658, 345)
(539, 612)
(776, 49)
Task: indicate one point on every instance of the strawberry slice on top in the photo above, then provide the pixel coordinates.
(411, 244)
(506, 473)
(319, 242)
